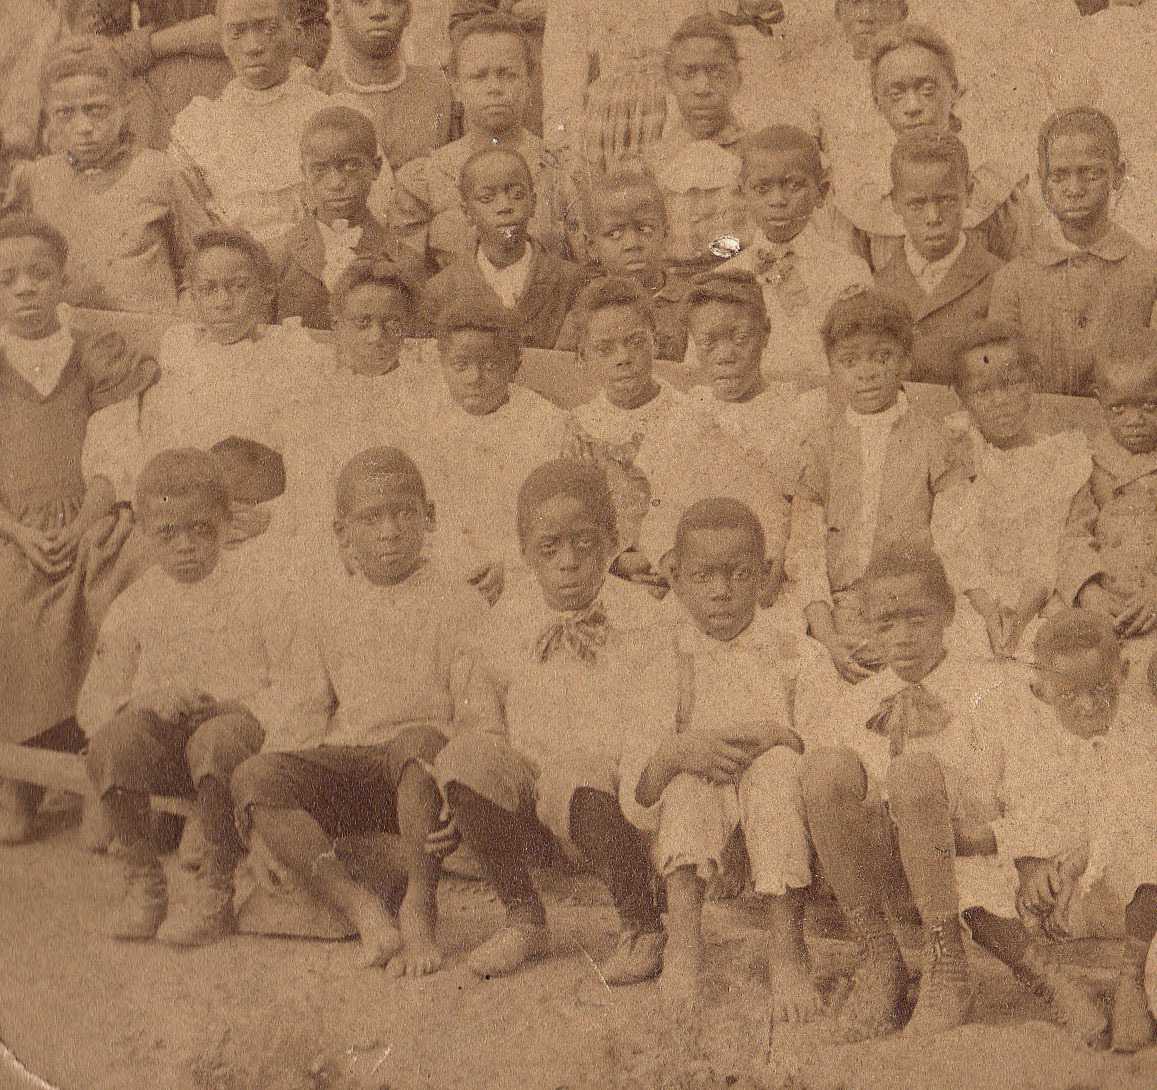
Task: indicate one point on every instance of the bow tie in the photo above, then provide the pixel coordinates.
(764, 23)
(913, 712)
(582, 633)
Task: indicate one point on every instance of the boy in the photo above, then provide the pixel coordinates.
(564, 675)
(490, 66)
(944, 274)
(376, 657)
(1108, 558)
(728, 759)
(1090, 277)
(180, 692)
(508, 268)
(867, 472)
(624, 223)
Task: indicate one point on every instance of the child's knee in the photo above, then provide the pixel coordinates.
(915, 779)
(221, 744)
(827, 774)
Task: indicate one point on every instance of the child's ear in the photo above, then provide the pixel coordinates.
(431, 519)
(1037, 689)
(1120, 174)
(377, 161)
(824, 184)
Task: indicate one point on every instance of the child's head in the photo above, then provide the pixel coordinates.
(480, 352)
(719, 564)
(862, 20)
(1079, 670)
(1080, 164)
(914, 80)
(258, 39)
(381, 515)
(702, 66)
(727, 320)
(254, 473)
(498, 196)
(782, 179)
(909, 604)
(867, 335)
(33, 255)
(372, 305)
(625, 222)
(183, 506)
(567, 530)
(230, 278)
(995, 375)
(339, 162)
(371, 28)
(83, 85)
(491, 61)
(1126, 386)
(931, 183)
(616, 332)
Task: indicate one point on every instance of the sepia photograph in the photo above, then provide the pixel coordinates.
(578, 544)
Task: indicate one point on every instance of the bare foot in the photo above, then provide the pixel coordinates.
(794, 998)
(420, 955)
(379, 937)
(509, 949)
(1133, 1027)
(679, 982)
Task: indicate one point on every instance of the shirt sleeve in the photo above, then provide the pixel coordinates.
(1004, 303)
(807, 560)
(109, 682)
(112, 446)
(1078, 561)
(116, 372)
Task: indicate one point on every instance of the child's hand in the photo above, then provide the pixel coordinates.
(175, 702)
(1095, 597)
(1138, 616)
(720, 760)
(844, 654)
(1041, 884)
(443, 840)
(41, 550)
(246, 521)
(488, 579)
(633, 566)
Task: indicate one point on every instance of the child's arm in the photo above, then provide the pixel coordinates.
(1079, 563)
(719, 760)
(1004, 302)
(36, 545)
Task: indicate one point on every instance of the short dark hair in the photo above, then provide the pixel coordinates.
(943, 148)
(288, 8)
(782, 138)
(1079, 119)
(565, 477)
(1070, 630)
(348, 120)
(83, 55)
(866, 309)
(492, 24)
(736, 289)
(237, 240)
(180, 472)
(254, 473)
(606, 292)
(918, 34)
(376, 462)
(490, 152)
(461, 315)
(987, 332)
(901, 563)
(19, 225)
(621, 180)
(1123, 356)
(720, 513)
(702, 26)
(380, 273)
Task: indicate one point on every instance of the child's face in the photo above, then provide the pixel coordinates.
(86, 118)
(620, 346)
(930, 199)
(369, 328)
(31, 286)
(229, 295)
(717, 577)
(869, 369)
(1080, 177)
(477, 373)
(186, 534)
(862, 20)
(704, 78)
(908, 622)
(258, 41)
(493, 83)
(997, 393)
(914, 91)
(1083, 687)
(372, 28)
(499, 200)
(338, 174)
(629, 232)
(1130, 407)
(384, 529)
(729, 341)
(568, 551)
(781, 192)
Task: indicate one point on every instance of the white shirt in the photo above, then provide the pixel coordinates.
(339, 241)
(875, 430)
(39, 362)
(928, 274)
(510, 282)
(601, 419)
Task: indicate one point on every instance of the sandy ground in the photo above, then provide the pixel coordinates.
(85, 1013)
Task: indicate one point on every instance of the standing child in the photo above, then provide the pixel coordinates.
(60, 531)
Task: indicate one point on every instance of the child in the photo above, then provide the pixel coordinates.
(490, 66)
(1090, 277)
(943, 273)
(1000, 534)
(130, 260)
(728, 759)
(1108, 561)
(624, 224)
(564, 675)
(869, 468)
(339, 162)
(377, 654)
(181, 690)
(1077, 805)
(60, 531)
(508, 268)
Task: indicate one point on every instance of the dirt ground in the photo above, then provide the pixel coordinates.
(85, 1013)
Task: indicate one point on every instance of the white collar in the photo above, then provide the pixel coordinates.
(921, 266)
(40, 362)
(373, 88)
(801, 243)
(881, 421)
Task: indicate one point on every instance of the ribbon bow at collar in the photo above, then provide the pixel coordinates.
(913, 712)
(583, 634)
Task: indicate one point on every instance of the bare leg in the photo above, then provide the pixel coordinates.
(378, 861)
(793, 994)
(1133, 1027)
(683, 957)
(419, 804)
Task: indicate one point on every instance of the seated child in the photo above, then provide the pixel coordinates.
(1109, 558)
(1077, 813)
(943, 273)
(377, 648)
(130, 260)
(868, 470)
(339, 162)
(490, 66)
(60, 533)
(624, 223)
(1000, 534)
(565, 674)
(1089, 278)
(181, 690)
(508, 268)
(728, 759)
